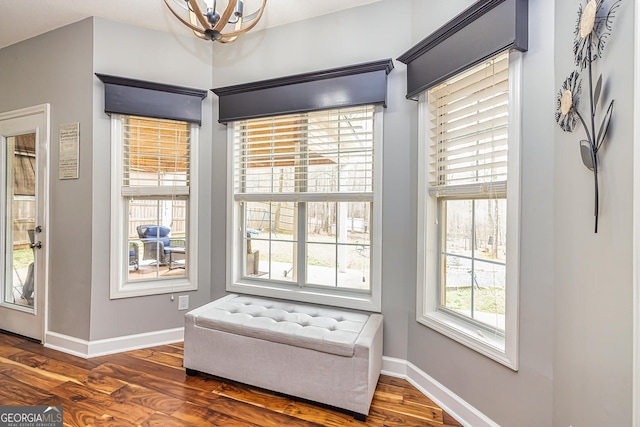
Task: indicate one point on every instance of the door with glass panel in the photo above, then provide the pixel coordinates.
(24, 136)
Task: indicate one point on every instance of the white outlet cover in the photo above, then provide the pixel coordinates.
(183, 302)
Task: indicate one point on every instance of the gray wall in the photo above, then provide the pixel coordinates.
(56, 68)
(576, 286)
(341, 39)
(593, 272)
(137, 53)
(522, 398)
(556, 297)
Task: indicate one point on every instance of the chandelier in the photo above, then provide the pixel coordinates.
(208, 24)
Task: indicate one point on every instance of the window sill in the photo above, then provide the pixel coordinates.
(354, 301)
(129, 290)
(469, 335)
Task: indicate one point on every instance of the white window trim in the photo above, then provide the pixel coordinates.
(119, 286)
(333, 297)
(501, 349)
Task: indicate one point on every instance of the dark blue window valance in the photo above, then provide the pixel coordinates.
(148, 99)
(484, 29)
(334, 88)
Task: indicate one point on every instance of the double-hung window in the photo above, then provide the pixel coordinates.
(152, 193)
(469, 207)
(305, 206)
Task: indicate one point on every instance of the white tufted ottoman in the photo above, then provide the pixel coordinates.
(327, 355)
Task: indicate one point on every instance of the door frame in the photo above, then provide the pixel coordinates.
(43, 144)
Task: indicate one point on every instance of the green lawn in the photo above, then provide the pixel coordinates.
(22, 258)
(487, 300)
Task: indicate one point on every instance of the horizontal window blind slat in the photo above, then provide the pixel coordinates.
(469, 174)
(317, 116)
(484, 157)
(491, 136)
(452, 105)
(476, 112)
(304, 197)
(492, 125)
(457, 149)
(479, 90)
(294, 149)
(480, 169)
(496, 189)
(128, 191)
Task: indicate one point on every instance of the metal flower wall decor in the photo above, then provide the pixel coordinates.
(593, 28)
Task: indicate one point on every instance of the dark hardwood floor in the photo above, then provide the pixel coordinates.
(149, 387)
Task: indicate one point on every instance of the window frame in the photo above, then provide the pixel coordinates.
(120, 287)
(329, 296)
(501, 349)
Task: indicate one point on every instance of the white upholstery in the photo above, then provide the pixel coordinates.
(317, 328)
(323, 354)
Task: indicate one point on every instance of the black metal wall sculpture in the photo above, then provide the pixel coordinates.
(593, 28)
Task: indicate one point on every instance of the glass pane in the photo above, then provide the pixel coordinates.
(356, 275)
(321, 222)
(270, 236)
(282, 261)
(256, 260)
(321, 264)
(20, 208)
(489, 293)
(458, 216)
(339, 238)
(491, 229)
(157, 239)
(358, 223)
(270, 220)
(457, 284)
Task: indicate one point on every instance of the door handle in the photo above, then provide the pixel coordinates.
(37, 244)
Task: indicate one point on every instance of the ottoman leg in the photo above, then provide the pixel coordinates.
(360, 417)
(191, 372)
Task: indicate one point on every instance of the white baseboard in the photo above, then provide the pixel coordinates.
(455, 406)
(88, 349)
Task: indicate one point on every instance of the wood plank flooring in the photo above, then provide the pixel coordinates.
(149, 387)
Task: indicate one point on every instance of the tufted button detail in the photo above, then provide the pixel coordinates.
(294, 324)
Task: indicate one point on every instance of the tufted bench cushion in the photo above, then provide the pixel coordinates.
(324, 354)
(317, 328)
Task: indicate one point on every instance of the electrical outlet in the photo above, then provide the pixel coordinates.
(183, 302)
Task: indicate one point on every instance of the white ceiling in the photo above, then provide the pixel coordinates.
(23, 19)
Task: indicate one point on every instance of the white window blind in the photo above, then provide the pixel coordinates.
(468, 127)
(326, 155)
(156, 157)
